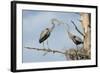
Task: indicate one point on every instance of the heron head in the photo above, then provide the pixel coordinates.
(47, 28)
(56, 21)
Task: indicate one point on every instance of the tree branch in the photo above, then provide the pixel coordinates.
(72, 54)
(78, 29)
(46, 50)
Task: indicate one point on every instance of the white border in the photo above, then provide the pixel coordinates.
(53, 64)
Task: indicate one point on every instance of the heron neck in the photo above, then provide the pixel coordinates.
(66, 28)
(53, 26)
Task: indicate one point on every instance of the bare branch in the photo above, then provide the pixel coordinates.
(78, 29)
(46, 50)
(73, 54)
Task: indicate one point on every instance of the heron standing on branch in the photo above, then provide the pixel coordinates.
(45, 34)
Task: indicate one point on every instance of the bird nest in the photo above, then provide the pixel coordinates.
(80, 54)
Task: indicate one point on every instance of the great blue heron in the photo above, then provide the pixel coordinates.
(46, 32)
(76, 39)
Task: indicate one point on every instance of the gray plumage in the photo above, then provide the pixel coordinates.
(46, 32)
(77, 40)
(44, 35)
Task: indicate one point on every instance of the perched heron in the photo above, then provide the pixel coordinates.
(45, 34)
(76, 39)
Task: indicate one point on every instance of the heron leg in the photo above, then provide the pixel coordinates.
(45, 52)
(77, 47)
(76, 52)
(43, 46)
(48, 49)
(48, 44)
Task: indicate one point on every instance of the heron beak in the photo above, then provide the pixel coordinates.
(60, 23)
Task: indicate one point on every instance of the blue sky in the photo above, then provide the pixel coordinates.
(36, 21)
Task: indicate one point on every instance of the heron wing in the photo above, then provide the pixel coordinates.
(43, 33)
(78, 39)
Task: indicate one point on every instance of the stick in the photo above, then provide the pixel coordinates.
(78, 29)
(47, 50)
